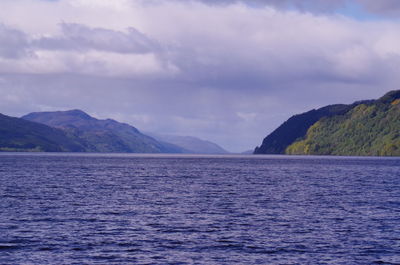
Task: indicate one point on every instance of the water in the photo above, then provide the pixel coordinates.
(132, 209)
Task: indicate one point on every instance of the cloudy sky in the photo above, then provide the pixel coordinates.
(226, 71)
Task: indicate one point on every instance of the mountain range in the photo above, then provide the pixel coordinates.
(76, 131)
(104, 136)
(364, 128)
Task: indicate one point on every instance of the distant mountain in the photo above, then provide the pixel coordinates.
(101, 135)
(369, 127)
(21, 135)
(190, 144)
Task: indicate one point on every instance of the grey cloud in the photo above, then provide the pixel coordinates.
(80, 37)
(383, 7)
(274, 69)
(313, 5)
(13, 43)
(379, 7)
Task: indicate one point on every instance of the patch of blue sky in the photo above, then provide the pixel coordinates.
(356, 11)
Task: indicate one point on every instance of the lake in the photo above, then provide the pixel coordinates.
(186, 209)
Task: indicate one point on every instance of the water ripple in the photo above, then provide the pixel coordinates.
(124, 209)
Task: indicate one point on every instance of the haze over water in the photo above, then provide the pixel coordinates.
(163, 209)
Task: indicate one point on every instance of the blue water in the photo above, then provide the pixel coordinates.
(132, 209)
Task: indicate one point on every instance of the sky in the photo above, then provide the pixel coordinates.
(222, 70)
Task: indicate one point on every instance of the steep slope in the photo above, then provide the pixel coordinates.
(366, 130)
(101, 135)
(21, 135)
(369, 127)
(296, 127)
(191, 144)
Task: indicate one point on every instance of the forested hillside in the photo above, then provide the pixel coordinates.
(367, 128)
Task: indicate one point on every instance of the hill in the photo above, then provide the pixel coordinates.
(190, 144)
(21, 135)
(101, 135)
(364, 128)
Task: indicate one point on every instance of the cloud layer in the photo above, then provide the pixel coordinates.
(222, 70)
(381, 7)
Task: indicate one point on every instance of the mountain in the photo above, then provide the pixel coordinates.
(21, 135)
(190, 144)
(101, 135)
(369, 127)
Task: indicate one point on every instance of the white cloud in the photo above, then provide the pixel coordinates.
(94, 63)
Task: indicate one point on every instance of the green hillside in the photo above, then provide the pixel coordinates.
(296, 127)
(366, 128)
